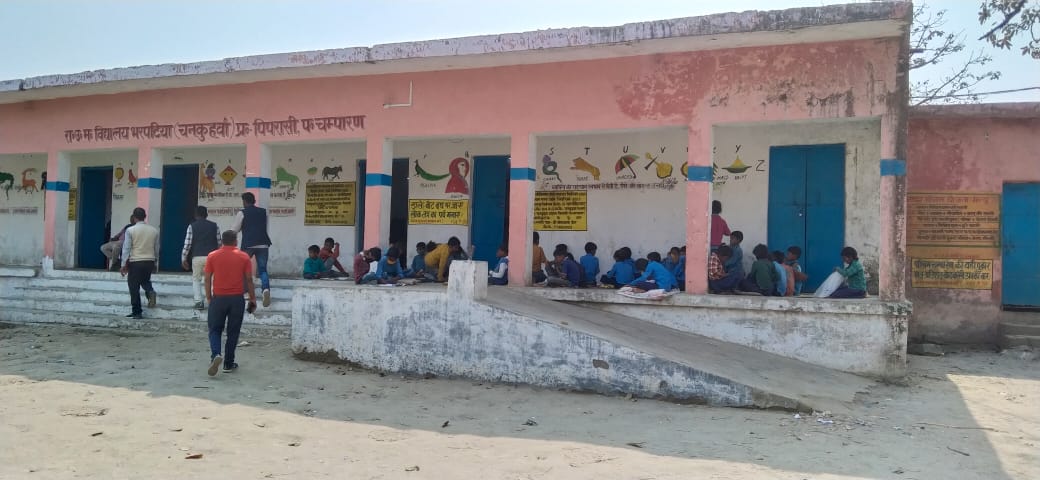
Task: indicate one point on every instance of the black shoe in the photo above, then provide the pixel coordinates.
(230, 367)
(135, 316)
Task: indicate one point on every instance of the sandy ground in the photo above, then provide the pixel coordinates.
(78, 403)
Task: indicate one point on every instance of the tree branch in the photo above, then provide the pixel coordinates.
(1007, 19)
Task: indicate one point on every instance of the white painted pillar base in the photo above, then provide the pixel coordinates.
(468, 280)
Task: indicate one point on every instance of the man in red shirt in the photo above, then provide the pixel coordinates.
(229, 275)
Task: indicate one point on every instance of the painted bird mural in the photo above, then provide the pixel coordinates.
(585, 166)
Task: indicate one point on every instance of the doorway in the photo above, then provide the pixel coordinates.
(490, 221)
(807, 206)
(93, 216)
(180, 196)
(399, 202)
(1020, 242)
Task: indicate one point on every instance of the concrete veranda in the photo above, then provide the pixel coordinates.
(80, 403)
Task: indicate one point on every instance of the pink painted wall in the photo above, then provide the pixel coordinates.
(694, 90)
(968, 155)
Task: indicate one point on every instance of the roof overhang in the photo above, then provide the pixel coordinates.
(727, 30)
(978, 110)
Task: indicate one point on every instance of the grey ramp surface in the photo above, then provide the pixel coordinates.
(814, 386)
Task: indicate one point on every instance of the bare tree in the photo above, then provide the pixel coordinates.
(930, 45)
(1011, 18)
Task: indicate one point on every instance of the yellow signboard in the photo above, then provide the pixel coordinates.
(330, 203)
(953, 219)
(952, 273)
(72, 204)
(561, 211)
(438, 212)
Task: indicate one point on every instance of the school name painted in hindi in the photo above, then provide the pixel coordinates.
(225, 129)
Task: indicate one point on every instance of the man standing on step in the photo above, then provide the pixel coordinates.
(202, 238)
(228, 272)
(140, 252)
(252, 222)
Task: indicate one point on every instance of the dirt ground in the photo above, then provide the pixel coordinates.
(79, 403)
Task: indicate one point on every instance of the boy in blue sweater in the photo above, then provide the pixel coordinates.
(389, 268)
(589, 265)
(656, 276)
(570, 271)
(735, 262)
(623, 271)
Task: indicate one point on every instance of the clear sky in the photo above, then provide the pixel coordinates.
(41, 37)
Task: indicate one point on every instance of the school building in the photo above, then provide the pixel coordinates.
(796, 120)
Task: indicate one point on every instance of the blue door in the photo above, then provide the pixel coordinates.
(93, 207)
(490, 201)
(807, 206)
(1020, 232)
(180, 196)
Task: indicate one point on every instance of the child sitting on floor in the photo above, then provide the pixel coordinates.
(655, 276)
(589, 265)
(855, 280)
(330, 255)
(736, 261)
(313, 267)
(570, 271)
(388, 270)
(719, 280)
(671, 260)
(763, 277)
(794, 253)
(623, 271)
(680, 269)
(781, 273)
(363, 265)
(499, 276)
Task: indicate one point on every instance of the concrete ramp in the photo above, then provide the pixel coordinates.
(773, 379)
(513, 337)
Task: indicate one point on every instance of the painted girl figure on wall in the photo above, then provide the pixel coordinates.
(459, 170)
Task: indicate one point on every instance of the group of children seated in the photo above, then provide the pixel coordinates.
(644, 274)
(772, 273)
(373, 266)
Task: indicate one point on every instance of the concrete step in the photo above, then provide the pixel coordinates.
(249, 330)
(1020, 318)
(1010, 341)
(117, 309)
(276, 282)
(168, 300)
(774, 380)
(1019, 329)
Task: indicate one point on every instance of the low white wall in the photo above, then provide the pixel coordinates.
(422, 331)
(862, 337)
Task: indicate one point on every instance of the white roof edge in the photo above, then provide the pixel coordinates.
(715, 24)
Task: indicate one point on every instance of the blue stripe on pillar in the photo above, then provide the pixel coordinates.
(377, 180)
(57, 186)
(149, 182)
(521, 173)
(696, 173)
(893, 167)
(258, 182)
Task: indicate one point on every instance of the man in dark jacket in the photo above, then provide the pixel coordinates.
(203, 237)
(252, 222)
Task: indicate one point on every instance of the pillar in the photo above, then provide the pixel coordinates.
(378, 164)
(149, 183)
(521, 206)
(893, 259)
(56, 248)
(698, 208)
(258, 172)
